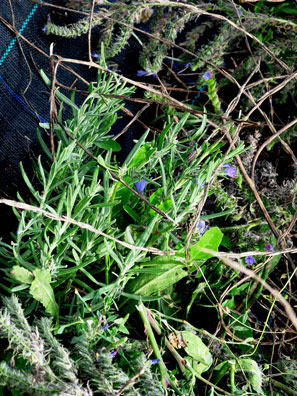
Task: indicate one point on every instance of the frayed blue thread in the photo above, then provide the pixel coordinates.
(199, 93)
(4, 56)
(21, 101)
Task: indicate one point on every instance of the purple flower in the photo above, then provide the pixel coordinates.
(113, 353)
(206, 76)
(94, 54)
(201, 224)
(140, 185)
(43, 29)
(230, 171)
(106, 326)
(196, 182)
(239, 12)
(155, 361)
(141, 73)
(269, 248)
(249, 260)
(201, 227)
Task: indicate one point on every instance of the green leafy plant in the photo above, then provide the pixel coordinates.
(111, 249)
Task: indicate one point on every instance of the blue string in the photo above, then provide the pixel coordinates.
(199, 93)
(20, 100)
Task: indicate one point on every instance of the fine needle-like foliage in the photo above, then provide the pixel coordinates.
(168, 271)
(40, 365)
(47, 366)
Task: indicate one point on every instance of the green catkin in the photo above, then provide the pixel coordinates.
(74, 30)
(213, 95)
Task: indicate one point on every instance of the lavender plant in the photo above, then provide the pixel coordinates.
(99, 236)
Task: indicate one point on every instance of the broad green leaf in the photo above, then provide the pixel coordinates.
(253, 371)
(21, 274)
(42, 291)
(109, 144)
(197, 350)
(211, 239)
(249, 366)
(165, 275)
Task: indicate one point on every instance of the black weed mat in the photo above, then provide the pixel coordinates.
(194, 108)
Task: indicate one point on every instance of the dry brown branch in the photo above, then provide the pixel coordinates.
(265, 144)
(24, 206)
(238, 267)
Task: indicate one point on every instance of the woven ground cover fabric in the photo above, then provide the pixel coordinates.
(23, 95)
(24, 98)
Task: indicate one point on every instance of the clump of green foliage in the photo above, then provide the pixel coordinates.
(102, 237)
(40, 365)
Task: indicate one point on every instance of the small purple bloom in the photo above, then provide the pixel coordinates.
(140, 185)
(230, 171)
(141, 73)
(239, 12)
(43, 29)
(106, 326)
(249, 260)
(94, 54)
(187, 65)
(206, 76)
(201, 224)
(227, 165)
(155, 361)
(113, 353)
(269, 248)
(202, 227)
